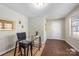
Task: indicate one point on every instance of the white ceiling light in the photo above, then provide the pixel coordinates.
(40, 5)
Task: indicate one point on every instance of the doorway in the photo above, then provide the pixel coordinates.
(54, 29)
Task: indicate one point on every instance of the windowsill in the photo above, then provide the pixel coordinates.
(7, 29)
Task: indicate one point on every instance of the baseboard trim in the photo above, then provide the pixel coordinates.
(56, 39)
(3, 52)
(72, 46)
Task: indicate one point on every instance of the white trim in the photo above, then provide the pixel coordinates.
(56, 39)
(72, 45)
(3, 52)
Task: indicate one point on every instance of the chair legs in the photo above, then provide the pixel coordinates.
(20, 50)
(15, 49)
(25, 51)
(31, 48)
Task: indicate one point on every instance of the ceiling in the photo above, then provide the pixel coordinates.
(52, 10)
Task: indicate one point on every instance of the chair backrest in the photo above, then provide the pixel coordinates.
(21, 36)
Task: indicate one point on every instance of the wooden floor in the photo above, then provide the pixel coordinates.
(51, 48)
(58, 48)
(36, 52)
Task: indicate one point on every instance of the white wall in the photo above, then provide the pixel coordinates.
(69, 38)
(55, 29)
(37, 24)
(8, 38)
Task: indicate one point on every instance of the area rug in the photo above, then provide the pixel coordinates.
(55, 47)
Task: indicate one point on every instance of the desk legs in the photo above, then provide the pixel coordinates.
(39, 43)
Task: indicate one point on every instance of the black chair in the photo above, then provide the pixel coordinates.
(21, 36)
(23, 43)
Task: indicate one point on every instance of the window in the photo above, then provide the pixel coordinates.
(75, 25)
(0, 25)
(6, 25)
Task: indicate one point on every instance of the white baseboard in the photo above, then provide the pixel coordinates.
(72, 45)
(3, 52)
(55, 39)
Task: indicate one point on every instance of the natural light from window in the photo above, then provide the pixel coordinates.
(75, 26)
